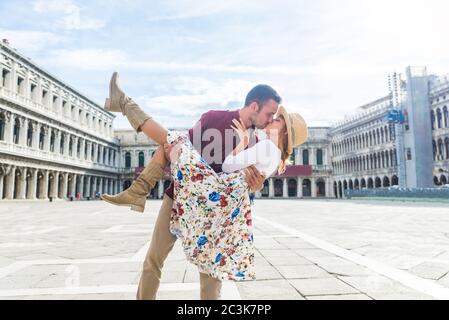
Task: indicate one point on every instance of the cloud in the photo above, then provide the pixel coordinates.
(193, 96)
(88, 59)
(188, 9)
(71, 19)
(31, 41)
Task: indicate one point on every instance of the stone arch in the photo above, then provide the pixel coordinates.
(370, 183)
(351, 185)
(394, 181)
(386, 182)
(321, 188)
(278, 188)
(378, 182)
(266, 189)
(307, 188)
(363, 183)
(336, 189)
(436, 181)
(340, 190)
(293, 188)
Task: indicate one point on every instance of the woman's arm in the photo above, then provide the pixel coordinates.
(241, 159)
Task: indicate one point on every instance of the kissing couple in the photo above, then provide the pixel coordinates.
(214, 167)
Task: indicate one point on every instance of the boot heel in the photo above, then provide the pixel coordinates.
(137, 208)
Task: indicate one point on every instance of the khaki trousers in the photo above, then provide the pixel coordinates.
(162, 243)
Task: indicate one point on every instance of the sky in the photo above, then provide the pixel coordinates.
(181, 58)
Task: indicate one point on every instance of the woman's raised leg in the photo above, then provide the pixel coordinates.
(136, 195)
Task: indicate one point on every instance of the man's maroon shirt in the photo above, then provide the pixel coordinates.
(220, 121)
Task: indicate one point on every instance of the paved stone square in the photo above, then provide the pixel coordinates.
(306, 249)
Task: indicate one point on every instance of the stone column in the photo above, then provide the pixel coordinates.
(21, 187)
(81, 188)
(27, 83)
(44, 186)
(285, 188)
(313, 181)
(88, 192)
(46, 138)
(13, 82)
(39, 92)
(33, 184)
(58, 142)
(54, 185)
(300, 160)
(94, 159)
(10, 176)
(66, 144)
(75, 147)
(89, 151)
(82, 146)
(271, 188)
(36, 131)
(161, 189)
(312, 157)
(299, 188)
(65, 184)
(72, 191)
(1, 176)
(23, 131)
(9, 127)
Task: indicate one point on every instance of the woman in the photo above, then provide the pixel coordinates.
(211, 212)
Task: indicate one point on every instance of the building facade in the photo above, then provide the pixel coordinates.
(57, 143)
(54, 142)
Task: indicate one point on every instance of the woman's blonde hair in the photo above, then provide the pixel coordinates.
(285, 156)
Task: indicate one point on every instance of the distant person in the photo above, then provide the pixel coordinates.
(252, 195)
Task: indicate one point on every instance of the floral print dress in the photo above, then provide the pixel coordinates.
(211, 215)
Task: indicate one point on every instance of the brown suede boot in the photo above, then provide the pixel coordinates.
(136, 195)
(119, 102)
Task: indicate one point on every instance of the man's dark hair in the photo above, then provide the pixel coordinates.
(261, 94)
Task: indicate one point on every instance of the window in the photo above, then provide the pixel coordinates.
(61, 149)
(52, 142)
(128, 160)
(20, 82)
(78, 148)
(2, 127)
(41, 139)
(319, 157)
(5, 81)
(30, 135)
(45, 97)
(141, 159)
(305, 157)
(16, 132)
(33, 92)
(64, 108)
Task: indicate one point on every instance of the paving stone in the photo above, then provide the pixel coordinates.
(327, 286)
(269, 289)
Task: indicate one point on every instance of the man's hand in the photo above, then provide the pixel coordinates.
(172, 151)
(254, 179)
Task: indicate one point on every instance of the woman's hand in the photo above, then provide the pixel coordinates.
(242, 132)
